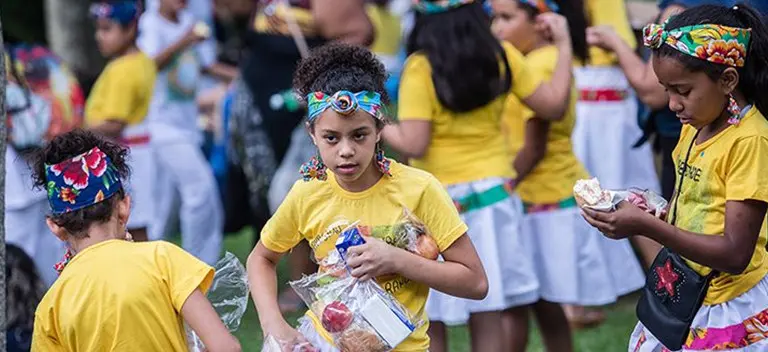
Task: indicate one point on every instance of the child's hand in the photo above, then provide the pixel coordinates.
(603, 36)
(372, 259)
(288, 337)
(554, 27)
(192, 37)
(627, 220)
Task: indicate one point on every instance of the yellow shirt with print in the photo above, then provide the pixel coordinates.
(730, 166)
(120, 296)
(123, 91)
(319, 210)
(611, 13)
(467, 146)
(552, 179)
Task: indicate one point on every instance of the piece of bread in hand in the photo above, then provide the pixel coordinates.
(589, 193)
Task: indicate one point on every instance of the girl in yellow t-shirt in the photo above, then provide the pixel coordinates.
(717, 216)
(113, 294)
(351, 180)
(452, 95)
(569, 260)
(119, 101)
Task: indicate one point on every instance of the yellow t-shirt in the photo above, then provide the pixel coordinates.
(467, 146)
(120, 296)
(553, 177)
(123, 91)
(612, 13)
(274, 19)
(387, 30)
(319, 210)
(732, 165)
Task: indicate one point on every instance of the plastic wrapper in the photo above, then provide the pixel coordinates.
(228, 295)
(412, 234)
(272, 344)
(589, 195)
(360, 315)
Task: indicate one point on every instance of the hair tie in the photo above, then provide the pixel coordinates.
(81, 181)
(344, 102)
(711, 42)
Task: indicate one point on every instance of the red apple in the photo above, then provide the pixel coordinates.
(336, 317)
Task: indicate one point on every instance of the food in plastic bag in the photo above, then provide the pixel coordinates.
(412, 234)
(272, 344)
(228, 295)
(589, 194)
(359, 315)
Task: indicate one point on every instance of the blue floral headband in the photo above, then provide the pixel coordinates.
(543, 5)
(81, 181)
(123, 12)
(344, 102)
(438, 6)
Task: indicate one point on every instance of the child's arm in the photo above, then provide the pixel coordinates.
(534, 148)
(203, 319)
(461, 274)
(110, 128)
(344, 21)
(262, 276)
(730, 253)
(410, 138)
(164, 57)
(222, 71)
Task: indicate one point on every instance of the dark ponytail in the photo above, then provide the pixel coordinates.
(753, 77)
(464, 54)
(573, 11)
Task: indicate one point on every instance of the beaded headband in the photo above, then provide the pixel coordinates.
(711, 42)
(81, 181)
(344, 102)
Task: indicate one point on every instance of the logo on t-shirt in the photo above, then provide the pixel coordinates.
(183, 76)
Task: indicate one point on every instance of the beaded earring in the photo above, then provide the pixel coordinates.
(314, 168)
(382, 162)
(734, 110)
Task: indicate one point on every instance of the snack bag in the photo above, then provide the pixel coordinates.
(414, 236)
(359, 315)
(228, 295)
(589, 194)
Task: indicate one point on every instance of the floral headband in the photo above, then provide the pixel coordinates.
(438, 6)
(712, 42)
(123, 12)
(81, 181)
(344, 102)
(542, 5)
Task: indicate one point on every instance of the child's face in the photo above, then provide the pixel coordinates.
(693, 96)
(512, 24)
(346, 142)
(112, 38)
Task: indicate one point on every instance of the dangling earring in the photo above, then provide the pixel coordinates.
(314, 168)
(382, 162)
(59, 267)
(734, 110)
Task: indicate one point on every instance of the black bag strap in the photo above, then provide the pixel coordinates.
(683, 171)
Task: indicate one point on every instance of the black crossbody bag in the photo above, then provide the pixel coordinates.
(673, 291)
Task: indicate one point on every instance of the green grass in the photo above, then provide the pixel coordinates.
(610, 336)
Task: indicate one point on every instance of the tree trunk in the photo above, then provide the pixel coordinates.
(3, 142)
(71, 37)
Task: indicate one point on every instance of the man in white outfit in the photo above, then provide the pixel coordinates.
(168, 35)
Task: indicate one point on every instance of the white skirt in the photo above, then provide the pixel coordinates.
(495, 233)
(571, 264)
(141, 186)
(739, 325)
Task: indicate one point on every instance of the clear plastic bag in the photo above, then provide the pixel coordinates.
(228, 295)
(360, 315)
(647, 200)
(272, 344)
(415, 236)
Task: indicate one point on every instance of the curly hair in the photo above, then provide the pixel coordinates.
(69, 145)
(334, 67)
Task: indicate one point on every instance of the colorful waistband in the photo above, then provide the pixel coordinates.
(491, 196)
(593, 95)
(531, 208)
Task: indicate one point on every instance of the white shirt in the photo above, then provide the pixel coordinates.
(173, 112)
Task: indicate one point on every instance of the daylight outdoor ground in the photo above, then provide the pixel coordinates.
(609, 337)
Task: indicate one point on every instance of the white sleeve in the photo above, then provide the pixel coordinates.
(150, 39)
